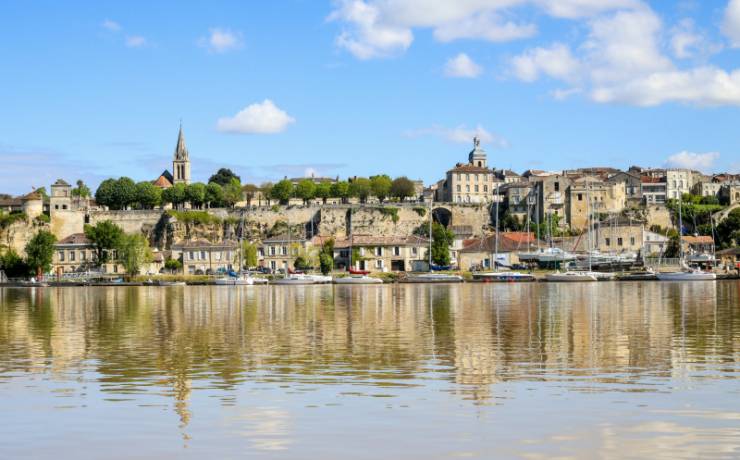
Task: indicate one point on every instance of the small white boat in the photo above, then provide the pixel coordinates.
(687, 275)
(433, 278)
(257, 280)
(358, 279)
(571, 277)
(170, 283)
(499, 277)
(235, 281)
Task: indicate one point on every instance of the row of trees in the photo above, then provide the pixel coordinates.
(381, 186)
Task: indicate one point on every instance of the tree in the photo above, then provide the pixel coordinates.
(133, 252)
(340, 189)
(175, 195)
(305, 190)
(42, 191)
(300, 263)
(214, 195)
(323, 190)
(104, 193)
(728, 231)
(82, 190)
(266, 189)
(223, 177)
(232, 192)
(442, 239)
(148, 195)
(402, 188)
(124, 193)
(249, 254)
(282, 191)
(381, 186)
(40, 250)
(105, 236)
(326, 256)
(361, 188)
(195, 194)
(13, 265)
(173, 265)
(249, 191)
(672, 249)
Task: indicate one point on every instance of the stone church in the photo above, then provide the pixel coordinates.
(180, 166)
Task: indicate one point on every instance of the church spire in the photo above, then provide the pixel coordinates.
(181, 152)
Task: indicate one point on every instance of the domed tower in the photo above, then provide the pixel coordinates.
(477, 156)
(181, 161)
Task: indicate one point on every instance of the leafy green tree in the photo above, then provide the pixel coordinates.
(728, 231)
(104, 193)
(223, 177)
(305, 190)
(133, 253)
(148, 195)
(361, 188)
(340, 189)
(323, 190)
(403, 188)
(249, 253)
(105, 236)
(266, 189)
(124, 193)
(709, 200)
(176, 195)
(173, 265)
(42, 191)
(381, 186)
(326, 256)
(232, 192)
(214, 195)
(40, 250)
(282, 191)
(249, 191)
(442, 240)
(672, 248)
(82, 190)
(13, 265)
(195, 194)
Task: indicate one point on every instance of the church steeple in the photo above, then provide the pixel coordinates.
(181, 162)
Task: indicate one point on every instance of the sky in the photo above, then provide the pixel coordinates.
(90, 90)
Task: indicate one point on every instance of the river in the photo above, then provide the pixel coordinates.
(396, 371)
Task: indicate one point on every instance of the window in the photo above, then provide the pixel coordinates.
(608, 242)
(83, 255)
(476, 177)
(64, 206)
(218, 256)
(272, 250)
(396, 251)
(284, 250)
(191, 255)
(580, 197)
(61, 256)
(467, 188)
(459, 176)
(485, 188)
(414, 251)
(459, 189)
(632, 240)
(619, 241)
(202, 255)
(379, 251)
(476, 189)
(557, 186)
(467, 177)
(71, 256)
(272, 265)
(56, 206)
(379, 264)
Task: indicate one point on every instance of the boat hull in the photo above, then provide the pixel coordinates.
(570, 277)
(504, 277)
(357, 280)
(686, 276)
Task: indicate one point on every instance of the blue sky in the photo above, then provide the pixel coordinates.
(363, 87)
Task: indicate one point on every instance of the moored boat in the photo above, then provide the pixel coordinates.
(500, 277)
(433, 278)
(687, 275)
(357, 279)
(571, 277)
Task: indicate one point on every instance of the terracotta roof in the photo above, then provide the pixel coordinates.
(651, 180)
(467, 167)
(75, 238)
(369, 240)
(701, 239)
(507, 242)
(164, 180)
(10, 202)
(32, 196)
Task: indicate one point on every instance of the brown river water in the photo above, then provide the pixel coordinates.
(598, 370)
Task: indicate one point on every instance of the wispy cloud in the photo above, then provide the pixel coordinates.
(113, 26)
(460, 134)
(701, 161)
(461, 66)
(130, 40)
(221, 40)
(135, 41)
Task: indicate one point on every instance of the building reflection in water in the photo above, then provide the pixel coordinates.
(177, 341)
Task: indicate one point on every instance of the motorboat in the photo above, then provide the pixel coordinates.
(571, 276)
(500, 277)
(170, 283)
(235, 281)
(645, 275)
(302, 278)
(358, 279)
(433, 278)
(687, 275)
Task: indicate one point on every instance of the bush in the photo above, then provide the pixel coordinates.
(6, 220)
(420, 211)
(390, 212)
(43, 219)
(194, 217)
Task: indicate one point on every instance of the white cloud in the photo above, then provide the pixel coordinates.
(685, 41)
(460, 134)
(555, 61)
(700, 161)
(221, 40)
(258, 118)
(486, 26)
(135, 41)
(573, 9)
(113, 26)
(367, 36)
(462, 66)
(731, 23)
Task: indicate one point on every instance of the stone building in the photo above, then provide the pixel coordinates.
(730, 193)
(551, 193)
(76, 254)
(61, 196)
(381, 253)
(632, 184)
(707, 189)
(606, 198)
(181, 161)
(32, 204)
(678, 182)
(653, 190)
(280, 252)
(201, 257)
(519, 199)
(471, 182)
(479, 253)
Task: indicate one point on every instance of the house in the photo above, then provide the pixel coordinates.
(605, 198)
(730, 258)
(707, 188)
(75, 253)
(280, 252)
(472, 182)
(632, 184)
(730, 193)
(698, 244)
(478, 253)
(550, 193)
(653, 189)
(678, 182)
(519, 199)
(201, 256)
(380, 253)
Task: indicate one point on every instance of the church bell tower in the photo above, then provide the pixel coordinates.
(181, 161)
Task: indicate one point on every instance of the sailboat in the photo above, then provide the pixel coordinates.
(579, 276)
(237, 278)
(686, 273)
(356, 276)
(431, 277)
(497, 276)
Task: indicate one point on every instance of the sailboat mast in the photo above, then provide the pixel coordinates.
(431, 204)
(495, 257)
(680, 231)
(588, 220)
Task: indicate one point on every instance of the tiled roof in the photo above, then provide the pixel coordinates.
(701, 239)
(285, 238)
(163, 181)
(651, 180)
(369, 240)
(32, 196)
(507, 242)
(202, 243)
(468, 168)
(75, 238)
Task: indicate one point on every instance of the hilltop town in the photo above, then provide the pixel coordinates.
(170, 224)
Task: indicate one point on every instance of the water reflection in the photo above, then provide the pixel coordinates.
(256, 347)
